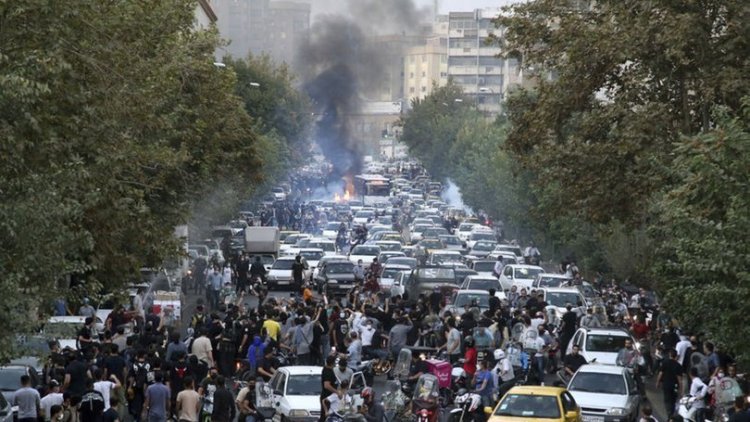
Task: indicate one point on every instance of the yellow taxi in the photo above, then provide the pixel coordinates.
(536, 403)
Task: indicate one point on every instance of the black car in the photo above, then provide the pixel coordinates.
(336, 277)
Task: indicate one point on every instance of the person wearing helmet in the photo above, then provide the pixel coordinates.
(371, 409)
(470, 357)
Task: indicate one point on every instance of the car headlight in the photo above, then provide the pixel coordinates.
(298, 413)
(616, 411)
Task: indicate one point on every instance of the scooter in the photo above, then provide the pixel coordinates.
(469, 408)
(688, 410)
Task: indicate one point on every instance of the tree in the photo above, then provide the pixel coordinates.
(430, 129)
(113, 120)
(702, 226)
(622, 81)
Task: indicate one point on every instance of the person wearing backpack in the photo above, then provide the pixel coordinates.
(138, 381)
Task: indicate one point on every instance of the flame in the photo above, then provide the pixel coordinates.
(337, 197)
(347, 196)
(348, 190)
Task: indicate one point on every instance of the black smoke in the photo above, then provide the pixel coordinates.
(339, 65)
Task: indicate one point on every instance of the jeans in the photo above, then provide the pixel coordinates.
(214, 298)
(249, 418)
(540, 365)
(325, 343)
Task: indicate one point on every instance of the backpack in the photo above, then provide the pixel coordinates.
(179, 372)
(142, 374)
(198, 320)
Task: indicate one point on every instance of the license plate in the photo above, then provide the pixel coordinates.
(282, 282)
(592, 418)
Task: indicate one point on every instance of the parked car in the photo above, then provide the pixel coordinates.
(520, 275)
(537, 403)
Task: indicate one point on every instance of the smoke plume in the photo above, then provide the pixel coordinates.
(341, 65)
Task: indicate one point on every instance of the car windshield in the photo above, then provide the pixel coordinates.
(560, 299)
(450, 240)
(445, 258)
(420, 228)
(332, 226)
(483, 236)
(312, 255)
(529, 406)
(465, 227)
(390, 272)
(366, 250)
(10, 378)
(326, 246)
(364, 214)
(431, 244)
(591, 382)
(283, 264)
(463, 299)
(303, 385)
(435, 232)
(551, 281)
(265, 259)
(483, 284)
(340, 268)
(604, 343)
(484, 246)
(410, 262)
(426, 274)
(390, 246)
(485, 266)
(527, 272)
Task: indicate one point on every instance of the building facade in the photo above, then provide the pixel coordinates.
(425, 67)
(276, 28)
(474, 64)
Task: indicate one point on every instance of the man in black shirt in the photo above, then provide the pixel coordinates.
(91, 407)
(265, 367)
(495, 303)
(298, 269)
(670, 378)
(243, 267)
(573, 361)
(327, 384)
(569, 325)
(224, 410)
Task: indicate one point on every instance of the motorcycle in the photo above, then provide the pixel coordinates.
(425, 403)
(394, 401)
(264, 402)
(258, 288)
(688, 410)
(469, 408)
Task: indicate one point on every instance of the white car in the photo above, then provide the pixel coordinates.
(483, 282)
(417, 230)
(605, 392)
(328, 246)
(324, 260)
(484, 267)
(464, 230)
(65, 329)
(362, 216)
(444, 257)
(291, 241)
(481, 234)
(602, 344)
(560, 297)
(399, 281)
(281, 272)
(389, 245)
(295, 393)
(278, 193)
(331, 230)
(549, 280)
(311, 256)
(521, 276)
(364, 252)
(463, 298)
(389, 275)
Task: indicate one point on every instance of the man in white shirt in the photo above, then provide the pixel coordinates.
(53, 397)
(499, 265)
(335, 402)
(682, 346)
(502, 373)
(202, 348)
(698, 389)
(105, 386)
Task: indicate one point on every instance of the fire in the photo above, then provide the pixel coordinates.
(337, 197)
(348, 190)
(347, 196)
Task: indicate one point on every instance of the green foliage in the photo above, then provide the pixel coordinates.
(702, 226)
(113, 119)
(432, 126)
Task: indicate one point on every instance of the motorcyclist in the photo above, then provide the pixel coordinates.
(359, 272)
(375, 268)
(337, 401)
(531, 255)
(257, 269)
(371, 409)
(503, 373)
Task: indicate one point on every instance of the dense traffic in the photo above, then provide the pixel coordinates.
(376, 299)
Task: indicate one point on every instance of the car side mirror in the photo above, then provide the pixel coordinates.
(571, 415)
(487, 411)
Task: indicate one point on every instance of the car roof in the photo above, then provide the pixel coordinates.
(559, 289)
(472, 292)
(285, 258)
(607, 331)
(553, 275)
(387, 242)
(396, 266)
(596, 368)
(536, 390)
(310, 250)
(302, 370)
(524, 266)
(481, 277)
(445, 252)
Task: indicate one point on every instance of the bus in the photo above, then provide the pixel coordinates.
(372, 187)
